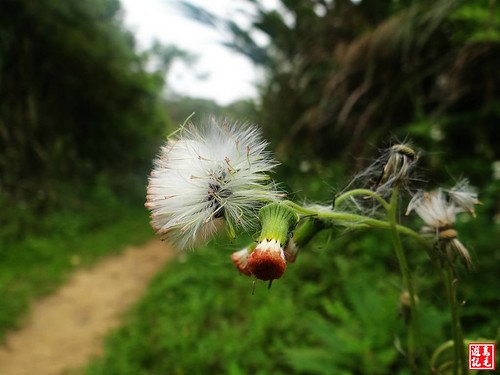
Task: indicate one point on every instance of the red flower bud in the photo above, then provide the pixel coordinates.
(240, 260)
(267, 261)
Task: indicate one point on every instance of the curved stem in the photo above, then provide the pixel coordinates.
(347, 195)
(344, 217)
(299, 209)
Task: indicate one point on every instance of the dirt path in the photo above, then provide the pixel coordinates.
(68, 327)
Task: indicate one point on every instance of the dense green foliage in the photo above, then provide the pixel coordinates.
(80, 119)
(76, 97)
(342, 75)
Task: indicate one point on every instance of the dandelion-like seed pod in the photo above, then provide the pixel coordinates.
(438, 209)
(453, 246)
(395, 167)
(206, 176)
(397, 164)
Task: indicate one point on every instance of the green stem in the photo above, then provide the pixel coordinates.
(459, 362)
(407, 279)
(344, 217)
(341, 198)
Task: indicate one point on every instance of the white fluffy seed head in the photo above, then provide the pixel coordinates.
(438, 209)
(464, 196)
(218, 170)
(433, 209)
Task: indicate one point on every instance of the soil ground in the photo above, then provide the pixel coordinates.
(65, 329)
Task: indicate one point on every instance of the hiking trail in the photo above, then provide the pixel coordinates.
(66, 328)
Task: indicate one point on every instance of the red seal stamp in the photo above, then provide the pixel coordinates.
(481, 356)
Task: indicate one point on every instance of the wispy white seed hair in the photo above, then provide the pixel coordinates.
(464, 196)
(399, 161)
(439, 212)
(433, 209)
(217, 171)
(395, 167)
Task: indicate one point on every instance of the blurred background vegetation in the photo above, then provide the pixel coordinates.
(82, 114)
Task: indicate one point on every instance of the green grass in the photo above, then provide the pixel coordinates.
(39, 253)
(332, 312)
